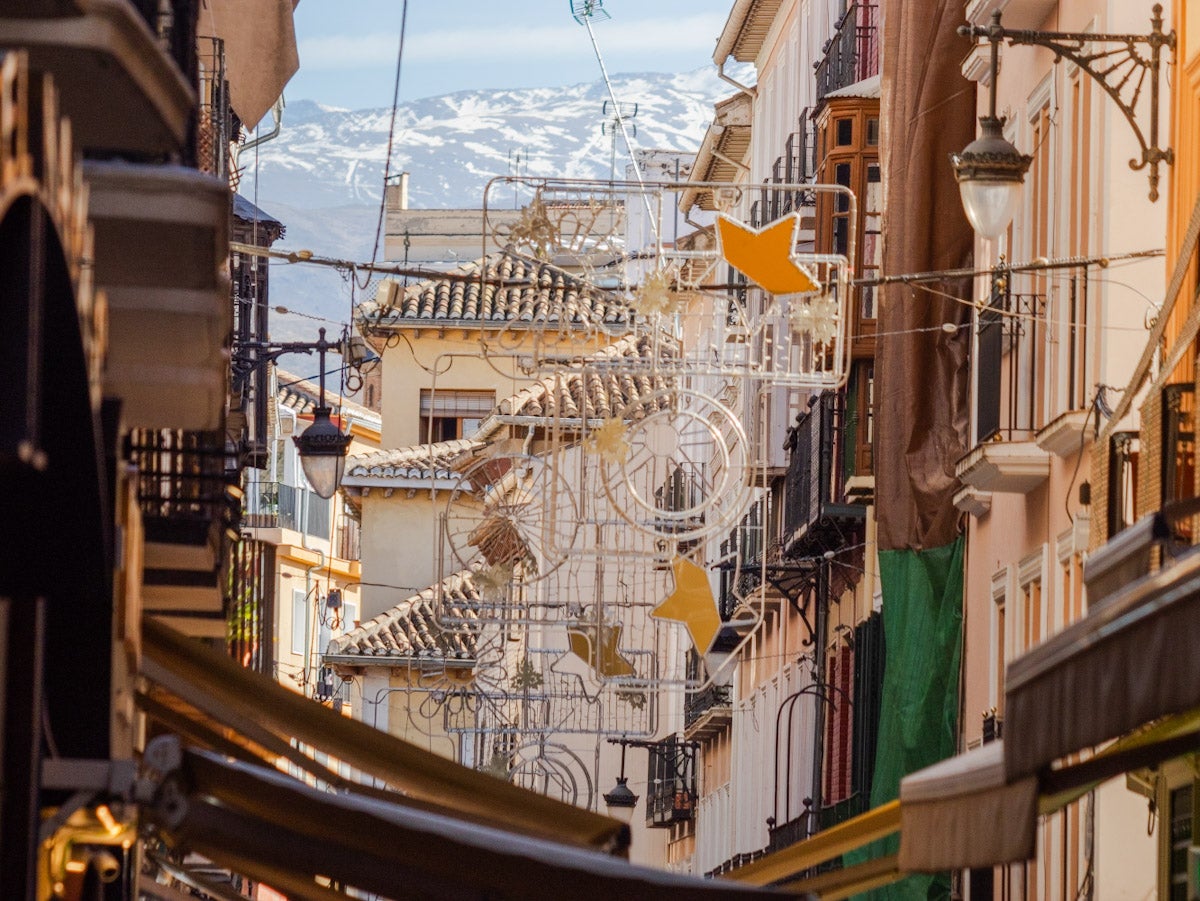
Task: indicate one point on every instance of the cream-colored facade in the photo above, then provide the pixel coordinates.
(1074, 335)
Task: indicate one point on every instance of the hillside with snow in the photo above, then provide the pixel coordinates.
(323, 175)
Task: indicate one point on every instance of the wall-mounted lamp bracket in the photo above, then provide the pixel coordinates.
(1121, 66)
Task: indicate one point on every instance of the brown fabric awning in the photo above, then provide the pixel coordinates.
(1104, 675)
(260, 51)
(962, 813)
(255, 706)
(272, 828)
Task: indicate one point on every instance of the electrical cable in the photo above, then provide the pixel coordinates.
(387, 161)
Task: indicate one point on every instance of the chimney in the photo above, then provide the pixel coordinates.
(396, 191)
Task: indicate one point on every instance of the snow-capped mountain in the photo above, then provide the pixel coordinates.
(323, 175)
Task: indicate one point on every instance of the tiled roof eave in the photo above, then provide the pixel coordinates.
(409, 661)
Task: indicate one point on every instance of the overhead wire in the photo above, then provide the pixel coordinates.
(387, 161)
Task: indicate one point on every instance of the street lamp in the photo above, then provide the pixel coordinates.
(322, 446)
(990, 169)
(621, 800)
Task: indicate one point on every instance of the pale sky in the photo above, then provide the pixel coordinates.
(348, 48)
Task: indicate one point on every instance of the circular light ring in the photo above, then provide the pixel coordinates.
(686, 475)
(513, 510)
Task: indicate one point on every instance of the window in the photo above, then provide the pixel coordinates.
(871, 255)
(299, 620)
(1122, 480)
(1033, 615)
(873, 132)
(448, 415)
(999, 638)
(1180, 810)
(845, 132)
(349, 616)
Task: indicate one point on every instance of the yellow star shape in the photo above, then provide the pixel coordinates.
(603, 656)
(764, 255)
(692, 603)
(609, 441)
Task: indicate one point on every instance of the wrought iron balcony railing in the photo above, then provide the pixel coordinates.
(852, 54)
(670, 783)
(701, 702)
(811, 484)
(275, 505)
(181, 484)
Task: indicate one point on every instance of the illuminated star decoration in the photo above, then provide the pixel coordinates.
(692, 603)
(609, 441)
(818, 317)
(603, 656)
(655, 297)
(764, 255)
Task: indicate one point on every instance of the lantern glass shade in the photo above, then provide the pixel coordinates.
(621, 801)
(990, 205)
(322, 448)
(990, 171)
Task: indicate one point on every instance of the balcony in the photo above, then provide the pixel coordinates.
(852, 54)
(1067, 434)
(162, 248)
(1013, 467)
(275, 505)
(121, 91)
(707, 712)
(670, 783)
(185, 496)
(816, 514)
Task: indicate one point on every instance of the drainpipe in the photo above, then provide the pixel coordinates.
(277, 115)
(822, 628)
(751, 92)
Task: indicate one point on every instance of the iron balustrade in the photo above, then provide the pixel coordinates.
(182, 481)
(852, 54)
(1007, 402)
(670, 782)
(701, 702)
(214, 127)
(276, 505)
(784, 835)
(249, 590)
(810, 484)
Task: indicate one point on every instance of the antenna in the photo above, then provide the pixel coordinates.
(514, 170)
(616, 116)
(584, 11)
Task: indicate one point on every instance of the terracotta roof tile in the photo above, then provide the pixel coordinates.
(420, 461)
(598, 387)
(410, 630)
(516, 290)
(301, 395)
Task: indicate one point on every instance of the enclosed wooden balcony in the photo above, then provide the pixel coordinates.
(162, 247)
(121, 91)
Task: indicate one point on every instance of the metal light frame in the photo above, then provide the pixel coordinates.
(1128, 67)
(322, 440)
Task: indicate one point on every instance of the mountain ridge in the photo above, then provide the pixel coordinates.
(323, 174)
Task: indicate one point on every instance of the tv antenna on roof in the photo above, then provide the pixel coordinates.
(584, 11)
(616, 117)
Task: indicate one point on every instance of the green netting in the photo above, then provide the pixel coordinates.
(922, 624)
